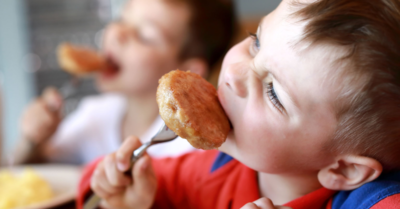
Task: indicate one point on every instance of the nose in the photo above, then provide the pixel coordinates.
(119, 33)
(236, 77)
(123, 33)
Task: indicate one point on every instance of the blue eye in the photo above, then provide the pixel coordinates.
(256, 41)
(273, 97)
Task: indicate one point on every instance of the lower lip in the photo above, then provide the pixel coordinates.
(108, 74)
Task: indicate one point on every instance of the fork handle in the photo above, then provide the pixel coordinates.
(94, 200)
(138, 153)
(69, 88)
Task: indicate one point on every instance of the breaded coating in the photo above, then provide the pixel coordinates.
(190, 107)
(79, 60)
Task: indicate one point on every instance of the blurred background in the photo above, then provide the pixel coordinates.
(30, 31)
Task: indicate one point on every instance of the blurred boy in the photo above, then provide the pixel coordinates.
(151, 38)
(314, 102)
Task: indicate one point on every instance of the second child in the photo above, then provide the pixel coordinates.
(151, 38)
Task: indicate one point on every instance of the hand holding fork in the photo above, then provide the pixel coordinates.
(110, 183)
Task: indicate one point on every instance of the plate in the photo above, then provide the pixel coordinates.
(63, 179)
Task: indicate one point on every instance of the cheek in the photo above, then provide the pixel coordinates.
(146, 62)
(146, 68)
(138, 58)
(257, 126)
(262, 140)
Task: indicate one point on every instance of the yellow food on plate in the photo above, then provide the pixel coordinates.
(23, 190)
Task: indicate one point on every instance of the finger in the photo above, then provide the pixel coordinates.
(264, 203)
(38, 122)
(100, 184)
(97, 177)
(52, 99)
(101, 192)
(46, 119)
(45, 115)
(104, 204)
(115, 177)
(109, 189)
(144, 177)
(124, 153)
(250, 205)
(35, 112)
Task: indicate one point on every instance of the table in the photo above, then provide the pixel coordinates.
(68, 205)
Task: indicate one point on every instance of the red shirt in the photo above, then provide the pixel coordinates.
(193, 181)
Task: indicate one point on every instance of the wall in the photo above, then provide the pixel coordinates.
(253, 10)
(16, 83)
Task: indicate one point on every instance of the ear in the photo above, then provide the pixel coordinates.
(349, 172)
(195, 65)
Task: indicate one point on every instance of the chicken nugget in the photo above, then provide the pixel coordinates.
(79, 60)
(189, 106)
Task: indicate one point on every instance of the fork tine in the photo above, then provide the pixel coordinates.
(164, 134)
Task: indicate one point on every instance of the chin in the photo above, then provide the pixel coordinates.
(105, 87)
(99, 86)
(229, 145)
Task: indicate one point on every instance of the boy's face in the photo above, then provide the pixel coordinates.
(144, 44)
(279, 98)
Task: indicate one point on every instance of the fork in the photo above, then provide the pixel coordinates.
(163, 135)
(69, 88)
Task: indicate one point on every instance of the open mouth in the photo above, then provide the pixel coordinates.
(112, 68)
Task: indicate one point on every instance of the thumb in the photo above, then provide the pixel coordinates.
(144, 176)
(124, 153)
(52, 98)
(263, 203)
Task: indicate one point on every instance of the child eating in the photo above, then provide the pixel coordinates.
(151, 38)
(313, 98)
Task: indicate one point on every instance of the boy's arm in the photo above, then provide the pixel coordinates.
(109, 181)
(177, 180)
(67, 144)
(27, 152)
(39, 121)
(167, 196)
